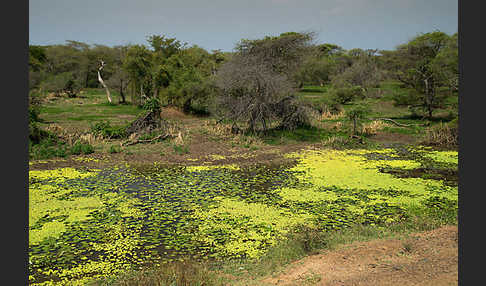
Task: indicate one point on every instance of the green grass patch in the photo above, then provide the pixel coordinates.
(302, 134)
(314, 89)
(180, 149)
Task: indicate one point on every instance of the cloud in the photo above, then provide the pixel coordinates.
(280, 1)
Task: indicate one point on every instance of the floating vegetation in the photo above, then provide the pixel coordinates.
(86, 159)
(211, 167)
(45, 161)
(89, 224)
(450, 157)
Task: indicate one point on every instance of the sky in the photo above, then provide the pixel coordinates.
(220, 24)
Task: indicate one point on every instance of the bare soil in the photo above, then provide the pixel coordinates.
(390, 138)
(427, 258)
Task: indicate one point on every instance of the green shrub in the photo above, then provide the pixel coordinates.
(104, 129)
(81, 148)
(152, 104)
(35, 133)
(148, 136)
(114, 149)
(356, 114)
(181, 150)
(47, 148)
(346, 94)
(34, 114)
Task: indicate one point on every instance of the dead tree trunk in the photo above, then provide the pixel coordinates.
(102, 82)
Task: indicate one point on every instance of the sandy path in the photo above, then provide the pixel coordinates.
(428, 258)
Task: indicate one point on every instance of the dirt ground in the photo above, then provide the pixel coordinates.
(428, 258)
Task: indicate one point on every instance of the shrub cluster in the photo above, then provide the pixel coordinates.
(104, 129)
(345, 95)
(51, 146)
(443, 135)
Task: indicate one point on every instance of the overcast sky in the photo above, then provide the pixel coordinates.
(220, 24)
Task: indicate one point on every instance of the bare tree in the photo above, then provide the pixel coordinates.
(102, 64)
(253, 92)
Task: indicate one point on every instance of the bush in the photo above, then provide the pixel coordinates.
(152, 104)
(107, 131)
(81, 148)
(346, 94)
(310, 239)
(47, 148)
(34, 114)
(293, 114)
(181, 150)
(356, 114)
(114, 149)
(35, 133)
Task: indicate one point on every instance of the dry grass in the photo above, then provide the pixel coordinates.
(178, 273)
(338, 126)
(327, 115)
(89, 138)
(441, 135)
(218, 129)
(373, 127)
(71, 136)
(247, 140)
(334, 141)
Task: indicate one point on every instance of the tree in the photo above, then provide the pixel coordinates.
(415, 64)
(283, 54)
(37, 66)
(356, 114)
(149, 69)
(61, 83)
(255, 83)
(363, 72)
(315, 71)
(119, 81)
(446, 64)
(190, 87)
(102, 65)
(164, 47)
(37, 57)
(138, 65)
(64, 69)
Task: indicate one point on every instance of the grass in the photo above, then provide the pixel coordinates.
(180, 149)
(381, 106)
(302, 134)
(114, 149)
(91, 107)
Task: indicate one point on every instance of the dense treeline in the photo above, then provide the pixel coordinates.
(166, 69)
(254, 84)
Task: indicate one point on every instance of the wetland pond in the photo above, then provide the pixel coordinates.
(92, 223)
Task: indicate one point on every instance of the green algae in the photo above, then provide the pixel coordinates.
(351, 170)
(448, 157)
(248, 227)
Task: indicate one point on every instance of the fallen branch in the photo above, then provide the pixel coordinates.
(399, 124)
(160, 137)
